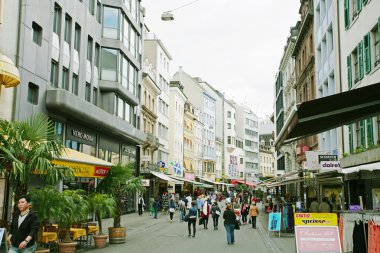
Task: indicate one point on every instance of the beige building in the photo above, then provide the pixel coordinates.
(266, 160)
(188, 139)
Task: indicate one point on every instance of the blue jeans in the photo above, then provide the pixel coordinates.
(181, 215)
(230, 233)
(29, 249)
(155, 213)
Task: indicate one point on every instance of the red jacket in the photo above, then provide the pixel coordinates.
(208, 211)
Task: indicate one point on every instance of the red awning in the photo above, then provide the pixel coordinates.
(237, 181)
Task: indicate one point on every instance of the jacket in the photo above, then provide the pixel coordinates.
(253, 211)
(203, 215)
(214, 209)
(29, 227)
(229, 217)
(192, 213)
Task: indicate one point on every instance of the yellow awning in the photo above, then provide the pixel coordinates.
(82, 164)
(9, 75)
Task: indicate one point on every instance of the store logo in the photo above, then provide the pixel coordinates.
(82, 135)
(101, 171)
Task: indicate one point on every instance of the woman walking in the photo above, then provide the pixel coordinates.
(215, 212)
(205, 213)
(171, 209)
(253, 212)
(192, 219)
(229, 223)
(244, 212)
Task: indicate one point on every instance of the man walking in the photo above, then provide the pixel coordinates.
(182, 209)
(141, 204)
(23, 228)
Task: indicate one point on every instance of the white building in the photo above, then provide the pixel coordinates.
(326, 42)
(360, 63)
(159, 56)
(176, 115)
(230, 156)
(198, 138)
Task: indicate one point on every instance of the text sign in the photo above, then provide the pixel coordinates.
(327, 158)
(317, 239)
(332, 165)
(315, 219)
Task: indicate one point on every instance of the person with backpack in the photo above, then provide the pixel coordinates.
(192, 219)
(156, 206)
(171, 209)
(215, 212)
(182, 209)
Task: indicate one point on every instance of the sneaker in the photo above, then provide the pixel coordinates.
(193, 235)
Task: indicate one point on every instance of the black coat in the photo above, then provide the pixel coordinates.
(29, 227)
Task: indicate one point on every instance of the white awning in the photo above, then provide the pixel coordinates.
(368, 167)
(207, 180)
(186, 180)
(162, 176)
(221, 183)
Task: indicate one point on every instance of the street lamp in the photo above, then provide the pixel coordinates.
(168, 15)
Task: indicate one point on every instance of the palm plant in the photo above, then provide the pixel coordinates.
(73, 209)
(27, 148)
(102, 205)
(47, 202)
(120, 182)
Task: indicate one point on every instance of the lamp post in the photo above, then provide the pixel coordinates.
(168, 15)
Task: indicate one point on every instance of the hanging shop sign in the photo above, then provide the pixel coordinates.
(315, 219)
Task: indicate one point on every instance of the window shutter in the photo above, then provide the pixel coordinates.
(346, 13)
(351, 138)
(359, 4)
(365, 2)
(362, 133)
(367, 53)
(349, 72)
(361, 65)
(370, 132)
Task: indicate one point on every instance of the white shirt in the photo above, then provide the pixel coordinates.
(21, 218)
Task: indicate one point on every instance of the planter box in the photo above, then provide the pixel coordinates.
(368, 156)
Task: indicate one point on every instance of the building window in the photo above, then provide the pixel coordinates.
(241, 160)
(54, 74)
(98, 12)
(57, 20)
(77, 37)
(75, 84)
(90, 43)
(110, 22)
(109, 64)
(349, 72)
(367, 52)
(95, 96)
(126, 33)
(33, 90)
(228, 125)
(37, 33)
(67, 35)
(65, 79)
(228, 139)
(91, 6)
(97, 55)
(132, 42)
(355, 63)
(132, 79)
(376, 44)
(87, 93)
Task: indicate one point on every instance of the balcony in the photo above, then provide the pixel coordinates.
(146, 168)
(368, 156)
(151, 142)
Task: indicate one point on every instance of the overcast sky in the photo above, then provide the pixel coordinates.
(236, 46)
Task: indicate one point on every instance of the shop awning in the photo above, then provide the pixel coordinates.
(207, 180)
(162, 176)
(222, 183)
(207, 186)
(283, 182)
(237, 181)
(9, 75)
(319, 115)
(82, 164)
(367, 167)
(186, 180)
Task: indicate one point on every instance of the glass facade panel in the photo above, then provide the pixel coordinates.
(110, 22)
(109, 64)
(120, 107)
(126, 28)
(124, 75)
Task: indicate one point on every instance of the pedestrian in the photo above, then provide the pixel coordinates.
(192, 219)
(171, 208)
(141, 204)
(229, 223)
(205, 213)
(200, 202)
(215, 212)
(244, 212)
(253, 212)
(188, 201)
(324, 207)
(182, 209)
(156, 206)
(23, 229)
(151, 209)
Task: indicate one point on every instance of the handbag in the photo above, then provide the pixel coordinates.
(217, 212)
(171, 210)
(186, 218)
(201, 221)
(237, 226)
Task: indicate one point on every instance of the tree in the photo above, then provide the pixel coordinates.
(26, 149)
(120, 182)
(102, 205)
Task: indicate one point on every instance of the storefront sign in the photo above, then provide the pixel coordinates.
(84, 170)
(331, 165)
(354, 208)
(315, 219)
(145, 182)
(274, 223)
(189, 176)
(327, 158)
(317, 239)
(82, 135)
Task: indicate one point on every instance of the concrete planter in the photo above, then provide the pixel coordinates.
(100, 241)
(368, 156)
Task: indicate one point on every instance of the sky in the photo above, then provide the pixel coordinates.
(236, 46)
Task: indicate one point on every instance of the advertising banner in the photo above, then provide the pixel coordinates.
(317, 239)
(315, 219)
(274, 222)
(84, 170)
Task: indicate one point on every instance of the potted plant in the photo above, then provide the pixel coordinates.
(119, 183)
(47, 203)
(74, 210)
(101, 205)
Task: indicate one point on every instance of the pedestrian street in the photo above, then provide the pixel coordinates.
(144, 234)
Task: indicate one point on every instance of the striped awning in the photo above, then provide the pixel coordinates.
(9, 74)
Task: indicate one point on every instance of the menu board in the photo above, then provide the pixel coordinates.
(317, 239)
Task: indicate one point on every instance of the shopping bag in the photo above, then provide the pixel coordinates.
(237, 226)
(186, 218)
(201, 221)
